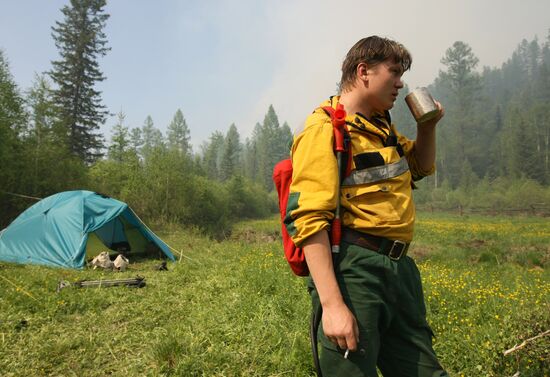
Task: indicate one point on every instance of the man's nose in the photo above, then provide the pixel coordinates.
(399, 84)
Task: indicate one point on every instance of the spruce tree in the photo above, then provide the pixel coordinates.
(151, 137)
(42, 109)
(252, 153)
(81, 41)
(462, 85)
(12, 112)
(120, 139)
(49, 165)
(13, 160)
(231, 154)
(178, 134)
(136, 140)
(268, 146)
(285, 142)
(212, 152)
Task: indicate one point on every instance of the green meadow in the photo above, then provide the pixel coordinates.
(233, 307)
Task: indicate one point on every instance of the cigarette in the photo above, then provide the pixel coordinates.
(346, 354)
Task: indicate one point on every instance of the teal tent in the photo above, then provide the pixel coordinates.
(68, 228)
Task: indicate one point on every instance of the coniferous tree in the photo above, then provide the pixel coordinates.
(151, 137)
(12, 159)
(212, 152)
(251, 154)
(463, 82)
(533, 55)
(12, 111)
(267, 145)
(42, 109)
(136, 140)
(231, 154)
(12, 118)
(81, 41)
(284, 142)
(120, 139)
(51, 167)
(12, 126)
(520, 137)
(178, 134)
(459, 86)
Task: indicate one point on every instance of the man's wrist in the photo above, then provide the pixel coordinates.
(426, 127)
(332, 302)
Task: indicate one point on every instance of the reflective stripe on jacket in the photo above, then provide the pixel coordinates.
(376, 197)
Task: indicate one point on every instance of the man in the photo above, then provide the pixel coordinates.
(370, 292)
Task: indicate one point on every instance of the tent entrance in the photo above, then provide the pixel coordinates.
(118, 236)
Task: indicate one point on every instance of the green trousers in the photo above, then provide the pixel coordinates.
(387, 300)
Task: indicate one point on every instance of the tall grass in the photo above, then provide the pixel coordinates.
(233, 308)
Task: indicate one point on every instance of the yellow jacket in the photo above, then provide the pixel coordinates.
(376, 198)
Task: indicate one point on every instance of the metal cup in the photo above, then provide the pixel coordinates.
(422, 105)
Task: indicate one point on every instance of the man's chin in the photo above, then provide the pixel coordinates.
(385, 107)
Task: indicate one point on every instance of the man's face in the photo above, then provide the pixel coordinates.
(384, 82)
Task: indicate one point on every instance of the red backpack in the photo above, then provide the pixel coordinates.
(282, 177)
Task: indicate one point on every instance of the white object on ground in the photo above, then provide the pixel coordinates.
(102, 260)
(121, 262)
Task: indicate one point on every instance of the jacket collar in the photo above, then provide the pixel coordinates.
(378, 123)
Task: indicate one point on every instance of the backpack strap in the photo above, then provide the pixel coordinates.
(338, 119)
(345, 169)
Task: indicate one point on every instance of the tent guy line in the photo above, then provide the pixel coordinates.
(20, 195)
(18, 288)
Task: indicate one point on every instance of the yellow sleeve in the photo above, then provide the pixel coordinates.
(409, 147)
(312, 198)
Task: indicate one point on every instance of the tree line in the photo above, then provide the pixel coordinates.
(50, 142)
(493, 144)
(158, 174)
(164, 179)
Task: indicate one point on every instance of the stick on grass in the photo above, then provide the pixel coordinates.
(524, 343)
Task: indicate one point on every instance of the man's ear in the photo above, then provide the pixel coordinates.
(362, 72)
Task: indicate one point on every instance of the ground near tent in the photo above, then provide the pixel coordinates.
(234, 308)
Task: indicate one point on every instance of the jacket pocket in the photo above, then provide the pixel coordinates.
(374, 202)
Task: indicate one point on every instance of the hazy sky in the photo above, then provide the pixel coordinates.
(224, 62)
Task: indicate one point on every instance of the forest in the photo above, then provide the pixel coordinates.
(493, 144)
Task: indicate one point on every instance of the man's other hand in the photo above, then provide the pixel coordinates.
(340, 326)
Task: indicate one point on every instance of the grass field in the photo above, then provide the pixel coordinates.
(233, 308)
